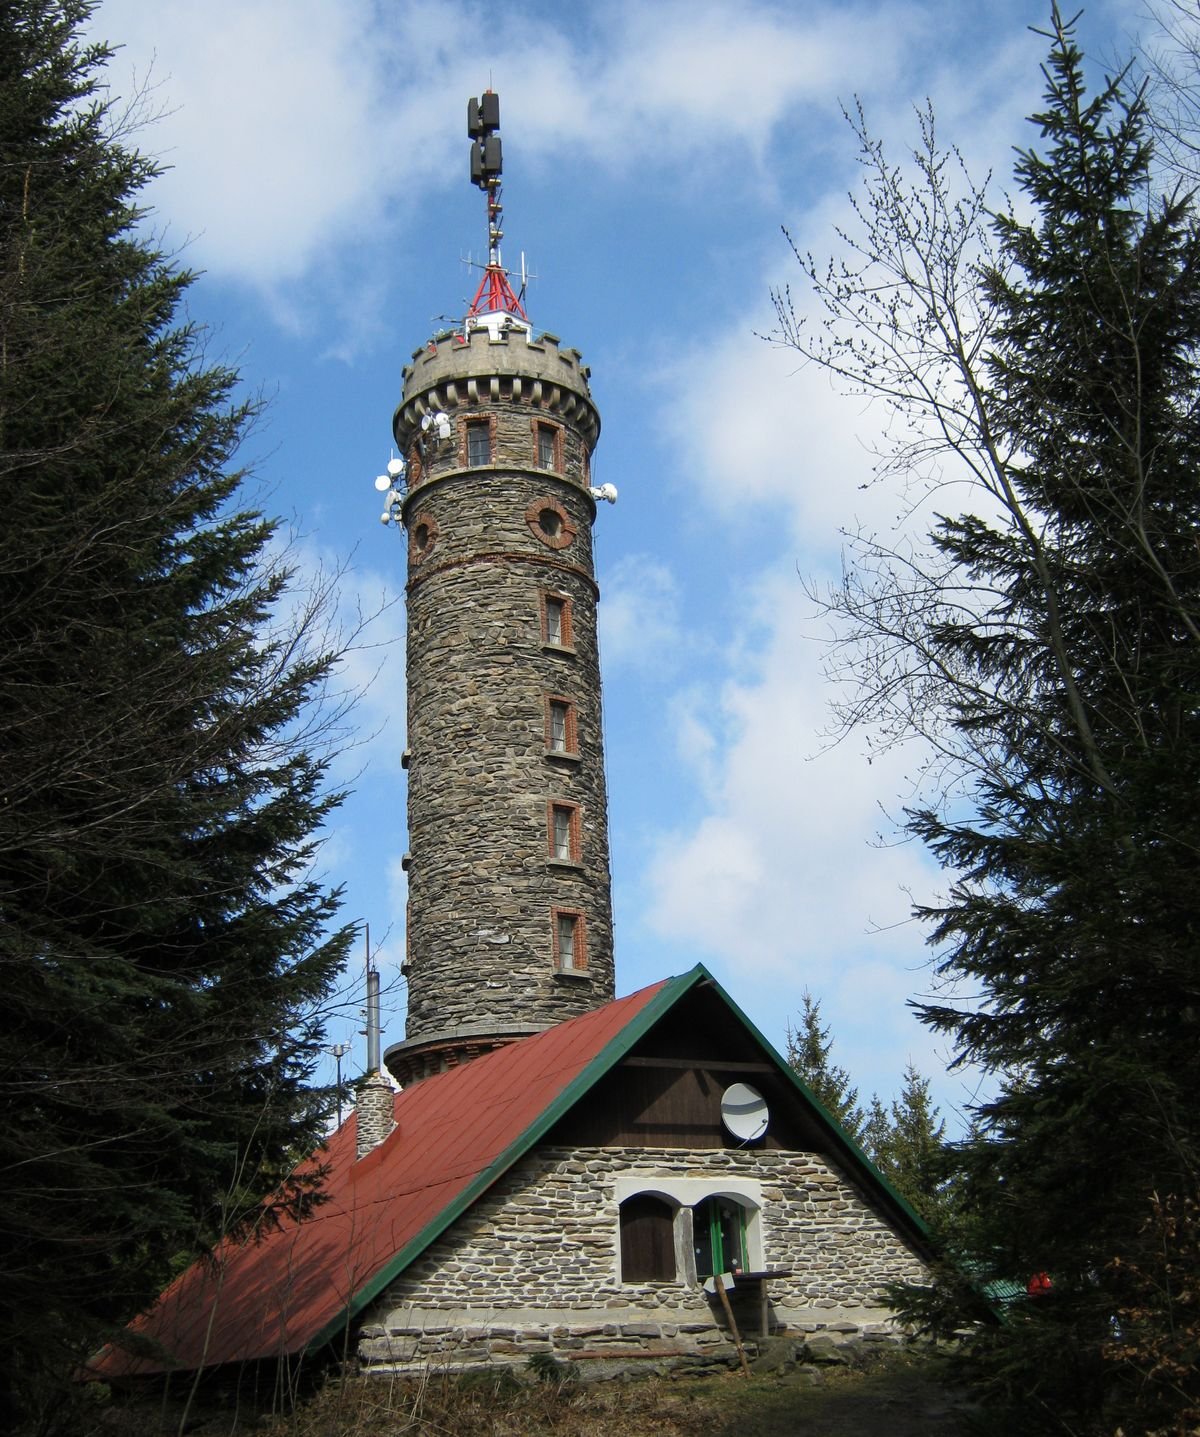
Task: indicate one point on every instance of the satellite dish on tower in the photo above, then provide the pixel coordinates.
(744, 1112)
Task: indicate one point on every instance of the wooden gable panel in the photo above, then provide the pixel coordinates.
(667, 1092)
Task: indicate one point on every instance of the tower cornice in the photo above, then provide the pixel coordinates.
(454, 372)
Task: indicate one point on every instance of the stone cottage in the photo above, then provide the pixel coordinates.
(568, 1192)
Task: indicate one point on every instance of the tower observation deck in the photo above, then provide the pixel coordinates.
(509, 918)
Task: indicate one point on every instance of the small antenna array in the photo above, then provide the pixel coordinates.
(495, 294)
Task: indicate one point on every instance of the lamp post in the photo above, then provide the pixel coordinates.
(338, 1051)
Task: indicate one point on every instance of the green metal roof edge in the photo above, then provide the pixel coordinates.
(854, 1152)
(672, 990)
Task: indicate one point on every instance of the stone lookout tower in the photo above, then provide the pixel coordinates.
(509, 919)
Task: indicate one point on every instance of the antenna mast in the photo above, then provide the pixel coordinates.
(495, 295)
(373, 1023)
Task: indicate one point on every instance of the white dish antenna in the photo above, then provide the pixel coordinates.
(744, 1112)
(383, 483)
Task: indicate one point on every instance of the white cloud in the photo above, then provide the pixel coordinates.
(783, 859)
(265, 110)
(639, 614)
(793, 877)
(293, 129)
(755, 428)
(660, 79)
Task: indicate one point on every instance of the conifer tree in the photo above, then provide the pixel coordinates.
(809, 1049)
(907, 1143)
(1048, 646)
(164, 949)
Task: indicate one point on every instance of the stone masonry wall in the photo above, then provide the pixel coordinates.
(482, 885)
(486, 544)
(535, 1266)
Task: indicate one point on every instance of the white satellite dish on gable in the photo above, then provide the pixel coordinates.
(744, 1112)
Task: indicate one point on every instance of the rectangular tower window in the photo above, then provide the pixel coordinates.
(570, 955)
(479, 442)
(556, 620)
(547, 447)
(564, 832)
(561, 735)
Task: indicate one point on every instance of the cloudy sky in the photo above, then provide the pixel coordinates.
(316, 174)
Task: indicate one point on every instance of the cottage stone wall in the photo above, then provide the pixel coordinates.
(535, 1266)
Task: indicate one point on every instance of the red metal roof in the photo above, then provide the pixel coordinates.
(455, 1135)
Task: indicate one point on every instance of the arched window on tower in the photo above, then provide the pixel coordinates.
(647, 1239)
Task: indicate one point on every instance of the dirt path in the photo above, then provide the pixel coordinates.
(900, 1400)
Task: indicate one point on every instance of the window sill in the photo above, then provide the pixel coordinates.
(563, 755)
(575, 973)
(572, 865)
(566, 650)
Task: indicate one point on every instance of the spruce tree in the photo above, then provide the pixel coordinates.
(164, 949)
(1075, 910)
(907, 1143)
(1046, 645)
(809, 1050)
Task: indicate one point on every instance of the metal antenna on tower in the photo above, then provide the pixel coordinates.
(495, 305)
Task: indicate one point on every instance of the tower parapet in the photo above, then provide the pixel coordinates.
(456, 370)
(510, 920)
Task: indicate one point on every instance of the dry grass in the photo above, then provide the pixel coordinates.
(490, 1405)
(896, 1397)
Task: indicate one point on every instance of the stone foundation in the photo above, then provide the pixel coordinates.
(414, 1341)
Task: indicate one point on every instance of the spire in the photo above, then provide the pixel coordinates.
(496, 305)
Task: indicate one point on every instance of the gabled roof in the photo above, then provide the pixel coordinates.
(301, 1285)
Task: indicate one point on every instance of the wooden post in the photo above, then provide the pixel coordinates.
(733, 1327)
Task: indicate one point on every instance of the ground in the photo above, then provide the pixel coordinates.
(897, 1395)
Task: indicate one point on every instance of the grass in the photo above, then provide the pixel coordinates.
(896, 1395)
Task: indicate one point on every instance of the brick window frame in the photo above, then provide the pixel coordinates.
(547, 599)
(416, 467)
(549, 523)
(464, 424)
(562, 919)
(422, 535)
(542, 427)
(563, 820)
(559, 705)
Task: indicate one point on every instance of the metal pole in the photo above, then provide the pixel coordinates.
(339, 1051)
(373, 1023)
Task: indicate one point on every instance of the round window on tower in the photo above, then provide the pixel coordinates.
(421, 537)
(550, 523)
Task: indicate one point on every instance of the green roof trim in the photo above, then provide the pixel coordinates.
(616, 1048)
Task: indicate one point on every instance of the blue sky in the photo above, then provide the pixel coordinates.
(318, 179)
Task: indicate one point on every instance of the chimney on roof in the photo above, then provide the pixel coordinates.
(373, 1119)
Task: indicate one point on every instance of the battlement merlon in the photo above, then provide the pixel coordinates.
(449, 373)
